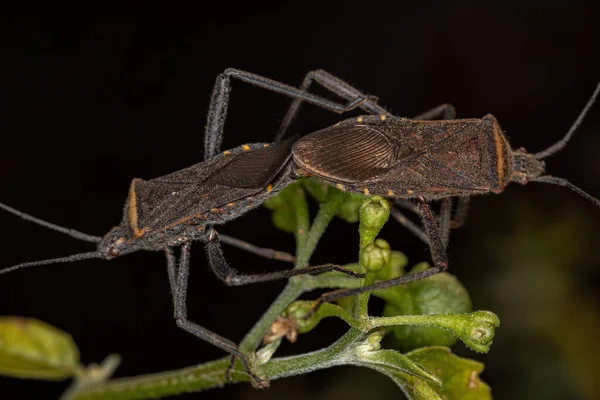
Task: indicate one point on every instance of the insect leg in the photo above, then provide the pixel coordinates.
(348, 92)
(259, 251)
(443, 111)
(445, 220)
(438, 254)
(407, 205)
(408, 224)
(217, 111)
(460, 215)
(178, 278)
(336, 86)
(231, 277)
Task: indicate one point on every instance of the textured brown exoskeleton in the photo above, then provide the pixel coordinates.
(381, 154)
(398, 157)
(423, 160)
(176, 209)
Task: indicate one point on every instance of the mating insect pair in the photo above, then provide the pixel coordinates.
(420, 159)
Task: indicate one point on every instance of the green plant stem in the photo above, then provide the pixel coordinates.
(362, 308)
(356, 347)
(327, 212)
(374, 213)
(253, 338)
(452, 322)
(211, 374)
(306, 240)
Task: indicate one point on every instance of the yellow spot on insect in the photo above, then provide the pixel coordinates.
(226, 152)
(366, 191)
(249, 206)
(246, 147)
(410, 191)
(339, 186)
(390, 192)
(230, 204)
(214, 210)
(266, 144)
(382, 117)
(359, 119)
(249, 198)
(269, 188)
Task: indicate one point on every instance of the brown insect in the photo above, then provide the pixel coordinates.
(423, 160)
(380, 154)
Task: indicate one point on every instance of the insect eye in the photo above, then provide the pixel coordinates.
(113, 252)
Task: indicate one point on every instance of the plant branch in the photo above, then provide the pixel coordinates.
(306, 241)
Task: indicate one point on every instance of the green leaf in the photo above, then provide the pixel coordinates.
(400, 363)
(460, 376)
(318, 189)
(350, 207)
(413, 387)
(369, 353)
(394, 268)
(283, 207)
(33, 349)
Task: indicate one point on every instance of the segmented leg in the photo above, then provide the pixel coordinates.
(334, 85)
(460, 215)
(232, 278)
(443, 111)
(270, 254)
(217, 112)
(408, 224)
(445, 220)
(350, 93)
(178, 279)
(438, 254)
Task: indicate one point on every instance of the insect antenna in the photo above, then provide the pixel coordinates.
(563, 142)
(67, 231)
(71, 258)
(565, 183)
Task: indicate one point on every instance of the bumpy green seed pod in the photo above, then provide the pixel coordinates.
(438, 294)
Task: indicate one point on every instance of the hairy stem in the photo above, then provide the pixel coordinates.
(306, 242)
(211, 374)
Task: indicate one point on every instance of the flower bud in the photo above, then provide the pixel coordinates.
(376, 256)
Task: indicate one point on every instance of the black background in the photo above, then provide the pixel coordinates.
(88, 103)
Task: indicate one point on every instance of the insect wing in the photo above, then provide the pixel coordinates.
(168, 200)
(345, 153)
(253, 169)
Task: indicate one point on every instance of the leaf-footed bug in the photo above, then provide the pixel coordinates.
(176, 209)
(423, 160)
(181, 207)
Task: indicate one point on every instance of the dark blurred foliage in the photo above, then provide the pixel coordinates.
(87, 103)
